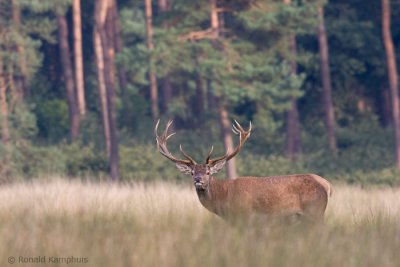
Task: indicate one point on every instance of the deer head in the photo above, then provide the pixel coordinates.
(201, 173)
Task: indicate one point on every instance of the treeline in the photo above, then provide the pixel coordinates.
(82, 84)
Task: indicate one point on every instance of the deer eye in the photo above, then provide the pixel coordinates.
(208, 172)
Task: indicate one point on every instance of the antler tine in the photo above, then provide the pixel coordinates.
(238, 126)
(165, 133)
(235, 130)
(243, 136)
(186, 155)
(156, 134)
(209, 154)
(162, 145)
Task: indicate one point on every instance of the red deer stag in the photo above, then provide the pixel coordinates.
(301, 197)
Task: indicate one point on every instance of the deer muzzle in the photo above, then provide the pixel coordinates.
(198, 183)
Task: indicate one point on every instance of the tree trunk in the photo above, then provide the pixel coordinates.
(119, 46)
(211, 99)
(293, 137)
(5, 132)
(166, 86)
(78, 58)
(152, 72)
(110, 31)
(100, 27)
(20, 76)
(199, 99)
(386, 109)
(227, 138)
(14, 96)
(222, 112)
(393, 78)
(326, 82)
(102, 89)
(164, 6)
(110, 89)
(214, 17)
(68, 76)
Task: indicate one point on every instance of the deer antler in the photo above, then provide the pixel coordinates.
(162, 146)
(243, 135)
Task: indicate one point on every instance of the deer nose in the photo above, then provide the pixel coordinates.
(197, 179)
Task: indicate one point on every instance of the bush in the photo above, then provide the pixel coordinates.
(259, 165)
(84, 160)
(33, 161)
(52, 119)
(65, 159)
(365, 156)
(386, 176)
(143, 162)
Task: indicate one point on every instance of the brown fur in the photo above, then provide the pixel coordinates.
(300, 195)
(293, 196)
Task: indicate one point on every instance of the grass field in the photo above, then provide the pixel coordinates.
(79, 223)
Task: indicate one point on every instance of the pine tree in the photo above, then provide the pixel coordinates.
(326, 82)
(101, 10)
(68, 74)
(78, 57)
(293, 135)
(151, 73)
(393, 76)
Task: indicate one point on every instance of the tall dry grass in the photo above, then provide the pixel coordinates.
(163, 224)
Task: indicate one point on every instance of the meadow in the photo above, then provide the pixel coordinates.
(81, 223)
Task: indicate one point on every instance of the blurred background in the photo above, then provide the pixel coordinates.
(82, 84)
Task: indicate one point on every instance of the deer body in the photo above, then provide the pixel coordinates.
(300, 195)
(303, 196)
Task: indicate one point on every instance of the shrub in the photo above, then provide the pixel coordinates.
(143, 162)
(32, 161)
(84, 160)
(259, 165)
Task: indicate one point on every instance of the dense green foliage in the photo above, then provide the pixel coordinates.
(248, 67)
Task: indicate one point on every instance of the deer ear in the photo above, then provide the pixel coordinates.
(184, 168)
(217, 166)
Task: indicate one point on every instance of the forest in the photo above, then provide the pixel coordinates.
(83, 84)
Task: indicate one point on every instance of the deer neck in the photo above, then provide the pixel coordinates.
(214, 197)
